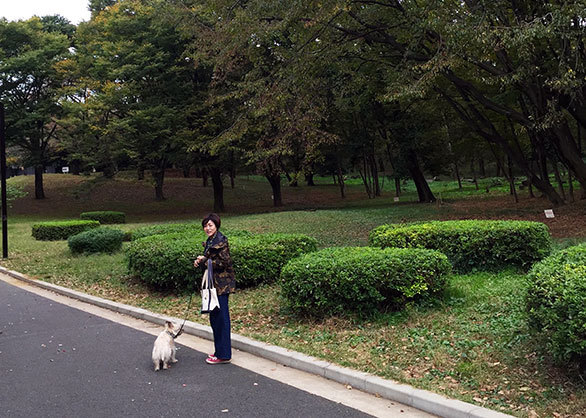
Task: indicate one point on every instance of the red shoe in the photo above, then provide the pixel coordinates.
(215, 360)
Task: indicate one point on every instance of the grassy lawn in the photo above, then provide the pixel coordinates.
(472, 344)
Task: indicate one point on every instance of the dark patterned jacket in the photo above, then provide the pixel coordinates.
(218, 251)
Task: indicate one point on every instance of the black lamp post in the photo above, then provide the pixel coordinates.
(3, 183)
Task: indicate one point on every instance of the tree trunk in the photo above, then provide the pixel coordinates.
(558, 179)
(232, 176)
(457, 172)
(473, 173)
(204, 177)
(275, 182)
(216, 175)
(341, 181)
(512, 180)
(365, 176)
(309, 178)
(140, 170)
(529, 184)
(481, 167)
(75, 167)
(186, 171)
(39, 189)
(374, 171)
(571, 186)
(158, 174)
(423, 191)
(397, 187)
(569, 152)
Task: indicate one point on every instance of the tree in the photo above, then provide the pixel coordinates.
(277, 117)
(144, 77)
(29, 86)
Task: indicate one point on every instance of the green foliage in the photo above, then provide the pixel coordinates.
(556, 303)
(166, 261)
(58, 230)
(192, 227)
(30, 54)
(97, 240)
(105, 216)
(471, 244)
(13, 192)
(361, 280)
(260, 259)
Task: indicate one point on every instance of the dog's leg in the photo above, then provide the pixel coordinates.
(165, 365)
(157, 365)
(173, 359)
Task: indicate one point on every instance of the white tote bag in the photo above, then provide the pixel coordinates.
(209, 296)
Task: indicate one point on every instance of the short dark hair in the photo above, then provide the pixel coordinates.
(211, 217)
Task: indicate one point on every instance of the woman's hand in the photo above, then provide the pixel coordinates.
(198, 260)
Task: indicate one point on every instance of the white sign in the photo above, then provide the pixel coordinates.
(396, 199)
(65, 169)
(549, 213)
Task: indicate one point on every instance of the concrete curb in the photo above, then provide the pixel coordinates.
(421, 399)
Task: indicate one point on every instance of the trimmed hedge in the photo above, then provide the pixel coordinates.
(361, 279)
(105, 217)
(166, 261)
(58, 230)
(471, 244)
(259, 259)
(98, 240)
(556, 303)
(194, 227)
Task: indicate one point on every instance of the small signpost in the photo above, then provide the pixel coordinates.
(395, 199)
(65, 169)
(549, 213)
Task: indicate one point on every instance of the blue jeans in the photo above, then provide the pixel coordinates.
(220, 322)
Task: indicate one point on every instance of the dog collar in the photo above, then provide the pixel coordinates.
(171, 334)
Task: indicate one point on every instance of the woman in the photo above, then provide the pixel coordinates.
(217, 256)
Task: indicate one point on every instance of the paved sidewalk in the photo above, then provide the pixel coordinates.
(387, 390)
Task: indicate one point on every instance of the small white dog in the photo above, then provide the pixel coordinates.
(164, 348)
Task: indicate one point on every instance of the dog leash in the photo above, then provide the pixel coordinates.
(185, 319)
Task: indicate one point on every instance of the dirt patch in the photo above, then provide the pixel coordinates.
(68, 196)
(569, 221)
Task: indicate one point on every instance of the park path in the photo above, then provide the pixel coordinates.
(62, 357)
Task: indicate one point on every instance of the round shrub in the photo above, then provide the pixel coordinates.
(105, 217)
(259, 259)
(166, 261)
(361, 279)
(556, 303)
(194, 227)
(471, 244)
(98, 240)
(58, 230)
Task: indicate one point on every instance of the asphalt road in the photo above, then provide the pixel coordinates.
(58, 361)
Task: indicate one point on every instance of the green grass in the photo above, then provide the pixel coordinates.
(472, 344)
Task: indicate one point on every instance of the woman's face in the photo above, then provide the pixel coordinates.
(210, 228)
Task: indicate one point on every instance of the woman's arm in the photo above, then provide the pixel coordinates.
(221, 259)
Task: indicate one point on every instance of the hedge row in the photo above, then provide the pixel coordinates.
(194, 227)
(260, 259)
(471, 244)
(58, 230)
(98, 240)
(361, 279)
(105, 217)
(166, 261)
(556, 303)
